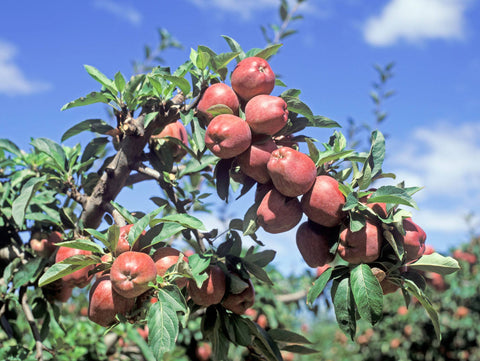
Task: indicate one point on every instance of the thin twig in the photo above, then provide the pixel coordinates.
(33, 326)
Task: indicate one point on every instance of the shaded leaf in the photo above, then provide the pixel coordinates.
(367, 293)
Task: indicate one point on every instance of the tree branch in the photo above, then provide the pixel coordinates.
(31, 322)
(292, 297)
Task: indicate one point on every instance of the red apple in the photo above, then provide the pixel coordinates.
(252, 76)
(203, 351)
(362, 246)
(42, 246)
(319, 271)
(293, 173)
(429, 249)
(216, 94)
(278, 213)
(379, 208)
(175, 130)
(323, 203)
(266, 114)
(262, 320)
(239, 303)
(212, 290)
(105, 303)
(124, 246)
(227, 136)
(413, 240)
(79, 278)
(253, 162)
(314, 243)
(131, 272)
(165, 258)
(464, 256)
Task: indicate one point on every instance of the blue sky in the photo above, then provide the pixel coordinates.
(433, 121)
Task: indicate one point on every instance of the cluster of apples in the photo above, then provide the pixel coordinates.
(121, 287)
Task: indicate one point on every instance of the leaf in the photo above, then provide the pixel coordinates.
(185, 220)
(179, 82)
(418, 293)
(222, 60)
(94, 148)
(392, 194)
(319, 285)
(283, 335)
(235, 47)
(28, 272)
(133, 335)
(120, 82)
(101, 78)
(163, 328)
(20, 204)
(92, 125)
(262, 258)
(83, 244)
(124, 212)
(91, 98)
(222, 178)
(296, 105)
(250, 225)
(302, 350)
(258, 272)
(344, 306)
(367, 293)
(437, 263)
(269, 51)
(10, 147)
(66, 267)
(52, 149)
(198, 264)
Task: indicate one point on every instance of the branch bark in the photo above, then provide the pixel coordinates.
(31, 322)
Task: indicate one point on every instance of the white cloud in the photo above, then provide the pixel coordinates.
(12, 80)
(120, 10)
(416, 20)
(444, 160)
(245, 8)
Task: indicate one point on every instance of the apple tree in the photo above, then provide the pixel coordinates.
(220, 125)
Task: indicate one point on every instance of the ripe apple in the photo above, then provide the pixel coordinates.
(105, 303)
(253, 162)
(278, 213)
(239, 303)
(166, 257)
(429, 249)
(314, 243)
(79, 278)
(262, 320)
(323, 203)
(378, 208)
(464, 256)
(252, 76)
(215, 94)
(203, 351)
(124, 246)
(266, 114)
(131, 272)
(413, 240)
(319, 271)
(175, 130)
(293, 173)
(227, 136)
(42, 246)
(362, 246)
(212, 290)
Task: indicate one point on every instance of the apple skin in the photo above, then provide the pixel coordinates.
(215, 94)
(266, 114)
(239, 303)
(44, 245)
(293, 173)
(78, 278)
(379, 208)
(124, 246)
(212, 290)
(131, 272)
(105, 303)
(228, 136)
(278, 213)
(323, 203)
(253, 162)
(175, 130)
(363, 246)
(165, 258)
(252, 76)
(203, 351)
(464, 256)
(314, 243)
(413, 240)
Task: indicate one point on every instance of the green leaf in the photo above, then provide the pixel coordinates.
(179, 82)
(320, 121)
(223, 59)
(94, 148)
(112, 238)
(283, 335)
(98, 235)
(262, 258)
(198, 264)
(20, 204)
(367, 293)
(92, 125)
(66, 267)
(131, 89)
(124, 212)
(133, 335)
(258, 272)
(392, 194)
(91, 98)
(222, 178)
(120, 82)
(10, 147)
(185, 220)
(344, 306)
(437, 263)
(83, 244)
(163, 328)
(269, 51)
(101, 78)
(296, 105)
(28, 272)
(315, 291)
(52, 149)
(235, 47)
(250, 225)
(301, 350)
(418, 293)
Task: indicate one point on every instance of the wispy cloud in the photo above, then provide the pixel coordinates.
(415, 21)
(12, 79)
(444, 160)
(121, 10)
